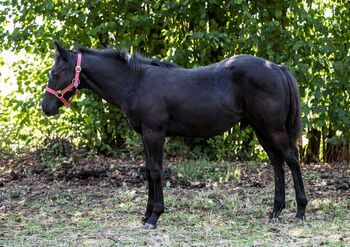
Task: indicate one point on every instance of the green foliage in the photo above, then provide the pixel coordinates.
(237, 144)
(311, 37)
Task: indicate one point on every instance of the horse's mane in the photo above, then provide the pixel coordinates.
(134, 61)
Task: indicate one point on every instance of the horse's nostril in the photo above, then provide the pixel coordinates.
(52, 112)
(49, 110)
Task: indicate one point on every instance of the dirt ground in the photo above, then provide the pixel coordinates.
(28, 179)
(322, 179)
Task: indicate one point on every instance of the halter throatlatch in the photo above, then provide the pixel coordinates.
(75, 83)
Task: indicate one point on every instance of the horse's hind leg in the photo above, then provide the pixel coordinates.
(280, 194)
(277, 162)
(291, 158)
(280, 148)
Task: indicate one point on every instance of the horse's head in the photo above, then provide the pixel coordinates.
(63, 81)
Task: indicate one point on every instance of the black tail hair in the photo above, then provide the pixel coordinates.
(293, 123)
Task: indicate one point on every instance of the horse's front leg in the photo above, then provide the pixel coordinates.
(149, 209)
(153, 143)
(147, 176)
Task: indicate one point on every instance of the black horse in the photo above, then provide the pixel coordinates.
(163, 99)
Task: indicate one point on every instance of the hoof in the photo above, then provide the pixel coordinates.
(300, 219)
(300, 216)
(144, 220)
(273, 218)
(148, 226)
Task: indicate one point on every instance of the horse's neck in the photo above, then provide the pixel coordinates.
(110, 81)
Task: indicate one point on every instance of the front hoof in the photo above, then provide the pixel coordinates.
(148, 226)
(273, 218)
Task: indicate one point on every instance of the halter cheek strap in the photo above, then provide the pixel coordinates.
(75, 83)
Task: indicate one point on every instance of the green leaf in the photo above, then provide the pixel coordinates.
(278, 13)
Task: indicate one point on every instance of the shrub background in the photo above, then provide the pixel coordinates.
(310, 37)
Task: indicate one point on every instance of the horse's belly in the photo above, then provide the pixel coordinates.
(200, 125)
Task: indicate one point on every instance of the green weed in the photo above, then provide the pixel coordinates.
(206, 171)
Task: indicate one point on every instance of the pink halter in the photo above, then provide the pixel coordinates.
(75, 83)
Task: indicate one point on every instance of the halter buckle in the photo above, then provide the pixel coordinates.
(59, 94)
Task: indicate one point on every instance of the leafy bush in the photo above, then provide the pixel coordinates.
(307, 36)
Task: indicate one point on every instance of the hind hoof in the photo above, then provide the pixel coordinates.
(144, 220)
(300, 216)
(148, 226)
(300, 219)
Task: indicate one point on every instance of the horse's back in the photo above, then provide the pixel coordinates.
(209, 100)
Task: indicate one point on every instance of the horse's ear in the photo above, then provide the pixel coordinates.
(61, 51)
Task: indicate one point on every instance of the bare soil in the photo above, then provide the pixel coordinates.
(321, 180)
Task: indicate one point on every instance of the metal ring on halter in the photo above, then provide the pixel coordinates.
(76, 82)
(59, 94)
(77, 68)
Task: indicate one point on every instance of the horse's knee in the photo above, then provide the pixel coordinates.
(156, 175)
(145, 173)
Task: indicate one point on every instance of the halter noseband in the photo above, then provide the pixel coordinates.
(75, 83)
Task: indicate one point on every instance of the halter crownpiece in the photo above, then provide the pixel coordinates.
(75, 83)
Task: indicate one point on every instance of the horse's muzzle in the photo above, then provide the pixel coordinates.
(50, 109)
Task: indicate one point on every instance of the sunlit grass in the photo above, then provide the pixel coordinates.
(204, 217)
(206, 171)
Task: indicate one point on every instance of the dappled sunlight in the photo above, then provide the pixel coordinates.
(11, 64)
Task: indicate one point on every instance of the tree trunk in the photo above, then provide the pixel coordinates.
(313, 148)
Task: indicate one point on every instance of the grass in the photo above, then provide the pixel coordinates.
(206, 171)
(223, 215)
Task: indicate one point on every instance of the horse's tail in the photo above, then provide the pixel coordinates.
(293, 123)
